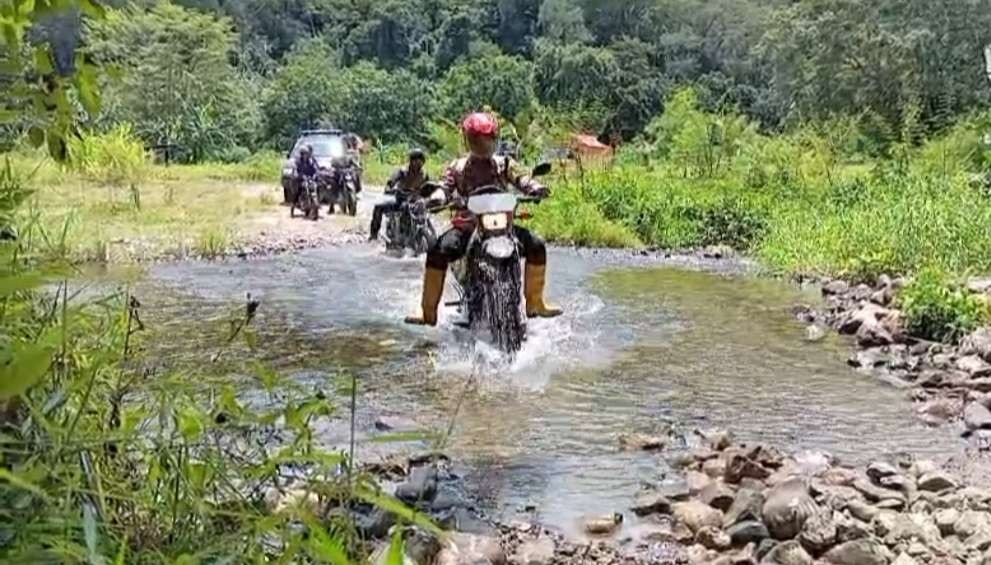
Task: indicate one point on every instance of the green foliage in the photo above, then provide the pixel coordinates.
(191, 96)
(38, 95)
(571, 218)
(501, 83)
(936, 308)
(113, 158)
(311, 91)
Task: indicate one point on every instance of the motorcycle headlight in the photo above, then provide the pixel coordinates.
(495, 222)
(288, 171)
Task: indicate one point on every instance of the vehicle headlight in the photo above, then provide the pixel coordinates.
(495, 222)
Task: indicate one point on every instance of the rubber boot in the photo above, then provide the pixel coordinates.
(433, 289)
(533, 291)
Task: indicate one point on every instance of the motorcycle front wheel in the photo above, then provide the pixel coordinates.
(498, 304)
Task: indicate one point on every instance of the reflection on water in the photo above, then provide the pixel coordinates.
(639, 349)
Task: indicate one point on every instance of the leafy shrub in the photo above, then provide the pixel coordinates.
(938, 309)
(113, 158)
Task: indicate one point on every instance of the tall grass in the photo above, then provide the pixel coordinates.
(105, 459)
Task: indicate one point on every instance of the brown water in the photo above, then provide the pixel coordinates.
(644, 345)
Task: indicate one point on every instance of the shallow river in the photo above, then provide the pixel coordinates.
(643, 345)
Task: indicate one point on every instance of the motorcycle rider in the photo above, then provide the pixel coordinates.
(306, 168)
(404, 183)
(482, 168)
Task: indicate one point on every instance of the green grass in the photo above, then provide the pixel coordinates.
(165, 211)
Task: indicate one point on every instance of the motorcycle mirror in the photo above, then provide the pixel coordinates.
(541, 169)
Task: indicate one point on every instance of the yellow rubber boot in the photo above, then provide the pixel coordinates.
(433, 289)
(533, 291)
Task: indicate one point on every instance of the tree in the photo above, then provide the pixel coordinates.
(177, 84)
(302, 93)
(501, 82)
(563, 21)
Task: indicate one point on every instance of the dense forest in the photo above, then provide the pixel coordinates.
(223, 78)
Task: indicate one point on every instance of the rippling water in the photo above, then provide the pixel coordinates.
(640, 348)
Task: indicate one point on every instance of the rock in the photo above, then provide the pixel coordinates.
(697, 515)
(765, 547)
(977, 343)
(873, 334)
(849, 529)
(787, 507)
(970, 523)
(602, 525)
(395, 423)
(980, 541)
(879, 470)
(718, 252)
(717, 495)
(642, 442)
(815, 333)
(904, 559)
(748, 531)
(381, 557)
(837, 498)
(742, 467)
(819, 532)
(939, 411)
(651, 503)
(876, 493)
(869, 314)
(931, 378)
(946, 520)
(838, 476)
(676, 490)
(936, 481)
(468, 549)
(697, 482)
(974, 366)
(859, 552)
(977, 417)
(835, 288)
(979, 285)
(909, 527)
(788, 553)
(420, 487)
(715, 468)
(716, 440)
(535, 552)
(713, 538)
(872, 358)
(746, 506)
(374, 524)
(862, 511)
(884, 522)
(421, 546)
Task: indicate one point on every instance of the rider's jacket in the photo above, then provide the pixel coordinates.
(404, 181)
(468, 173)
(306, 166)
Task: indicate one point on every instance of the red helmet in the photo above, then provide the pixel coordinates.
(480, 124)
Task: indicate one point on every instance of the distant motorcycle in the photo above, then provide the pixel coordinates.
(307, 199)
(345, 194)
(489, 278)
(410, 226)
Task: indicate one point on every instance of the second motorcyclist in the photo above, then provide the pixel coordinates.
(409, 181)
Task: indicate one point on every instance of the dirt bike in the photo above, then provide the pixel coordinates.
(410, 226)
(346, 192)
(307, 199)
(490, 278)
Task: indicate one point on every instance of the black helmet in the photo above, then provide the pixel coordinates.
(417, 155)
